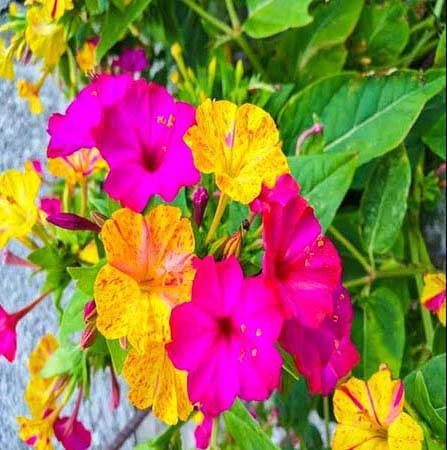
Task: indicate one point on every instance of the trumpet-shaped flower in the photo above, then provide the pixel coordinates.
(50, 205)
(240, 145)
(303, 264)
(325, 354)
(370, 416)
(30, 92)
(54, 9)
(45, 38)
(225, 337)
(148, 271)
(18, 211)
(77, 166)
(148, 142)
(433, 295)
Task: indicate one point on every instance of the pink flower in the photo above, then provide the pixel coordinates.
(131, 60)
(8, 324)
(230, 349)
(286, 188)
(302, 263)
(50, 205)
(325, 354)
(203, 432)
(138, 129)
(72, 434)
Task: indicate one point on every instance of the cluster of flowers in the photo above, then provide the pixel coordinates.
(198, 331)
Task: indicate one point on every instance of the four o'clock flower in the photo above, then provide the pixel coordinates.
(8, 324)
(370, 415)
(433, 294)
(230, 351)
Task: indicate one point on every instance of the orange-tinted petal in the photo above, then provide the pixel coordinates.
(46, 346)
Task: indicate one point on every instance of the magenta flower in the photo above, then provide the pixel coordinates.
(302, 263)
(131, 60)
(202, 433)
(325, 354)
(230, 351)
(50, 205)
(138, 129)
(72, 434)
(8, 325)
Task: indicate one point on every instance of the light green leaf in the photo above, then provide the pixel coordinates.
(382, 32)
(168, 440)
(116, 23)
(117, 354)
(319, 175)
(366, 115)
(73, 316)
(383, 334)
(269, 17)
(425, 390)
(440, 52)
(246, 432)
(434, 137)
(85, 277)
(384, 202)
(64, 360)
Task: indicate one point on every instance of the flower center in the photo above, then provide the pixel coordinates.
(152, 158)
(225, 326)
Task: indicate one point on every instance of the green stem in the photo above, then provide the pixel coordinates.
(326, 420)
(438, 8)
(233, 15)
(290, 372)
(223, 200)
(426, 23)
(243, 44)
(208, 17)
(84, 196)
(351, 248)
(214, 435)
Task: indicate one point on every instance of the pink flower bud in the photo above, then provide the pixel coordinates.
(199, 200)
(69, 221)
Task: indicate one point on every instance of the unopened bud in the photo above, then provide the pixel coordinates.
(90, 312)
(69, 221)
(115, 387)
(88, 336)
(199, 200)
(233, 245)
(11, 259)
(98, 218)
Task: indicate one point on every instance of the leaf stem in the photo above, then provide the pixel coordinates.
(351, 248)
(214, 435)
(208, 17)
(326, 420)
(438, 8)
(84, 195)
(233, 14)
(223, 200)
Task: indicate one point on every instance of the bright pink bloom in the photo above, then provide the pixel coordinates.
(50, 205)
(325, 354)
(72, 434)
(230, 351)
(131, 60)
(138, 129)
(203, 432)
(8, 337)
(286, 188)
(303, 264)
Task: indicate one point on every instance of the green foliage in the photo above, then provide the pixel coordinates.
(246, 432)
(117, 354)
(85, 277)
(168, 440)
(73, 316)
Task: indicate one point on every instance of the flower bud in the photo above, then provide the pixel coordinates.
(90, 312)
(199, 200)
(98, 218)
(88, 336)
(233, 245)
(69, 221)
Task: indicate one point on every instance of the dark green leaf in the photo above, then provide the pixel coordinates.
(434, 137)
(366, 115)
(425, 390)
(384, 202)
(319, 175)
(246, 432)
(269, 17)
(116, 23)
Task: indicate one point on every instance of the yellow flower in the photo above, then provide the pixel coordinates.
(30, 92)
(148, 271)
(86, 57)
(433, 294)
(89, 253)
(77, 166)
(240, 145)
(370, 415)
(40, 395)
(18, 212)
(6, 61)
(45, 38)
(54, 9)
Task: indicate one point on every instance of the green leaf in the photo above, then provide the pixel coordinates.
(168, 440)
(425, 391)
(434, 137)
(381, 34)
(384, 202)
(246, 432)
(440, 52)
(370, 116)
(66, 359)
(85, 277)
(320, 174)
(382, 337)
(116, 23)
(73, 316)
(269, 17)
(117, 354)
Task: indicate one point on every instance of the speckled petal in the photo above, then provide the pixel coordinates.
(405, 434)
